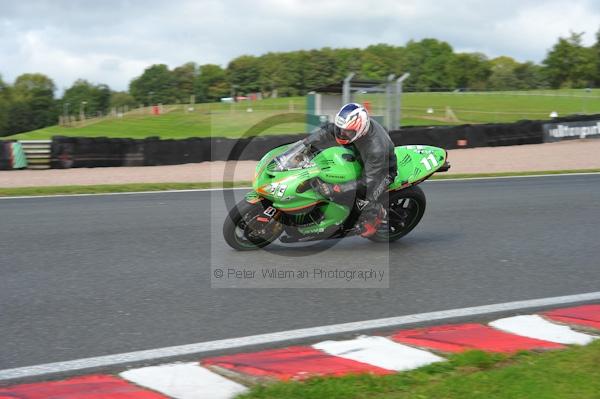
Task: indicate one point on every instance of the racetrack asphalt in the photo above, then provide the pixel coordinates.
(90, 276)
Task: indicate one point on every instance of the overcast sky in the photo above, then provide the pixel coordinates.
(112, 41)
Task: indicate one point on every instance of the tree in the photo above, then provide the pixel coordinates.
(120, 99)
(503, 74)
(211, 84)
(93, 100)
(530, 76)
(32, 103)
(28, 85)
(320, 68)
(156, 85)
(596, 54)
(373, 67)
(346, 60)
(569, 63)
(429, 62)
(185, 80)
(243, 73)
(4, 107)
(390, 56)
(280, 73)
(470, 71)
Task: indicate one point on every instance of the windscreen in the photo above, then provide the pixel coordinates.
(296, 157)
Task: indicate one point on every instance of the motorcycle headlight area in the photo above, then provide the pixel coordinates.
(298, 161)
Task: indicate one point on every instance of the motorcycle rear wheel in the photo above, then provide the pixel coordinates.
(406, 208)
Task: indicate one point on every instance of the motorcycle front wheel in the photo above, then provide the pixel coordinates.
(243, 232)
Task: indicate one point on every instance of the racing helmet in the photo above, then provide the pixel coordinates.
(352, 122)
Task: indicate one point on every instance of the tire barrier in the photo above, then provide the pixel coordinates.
(470, 136)
(5, 163)
(76, 152)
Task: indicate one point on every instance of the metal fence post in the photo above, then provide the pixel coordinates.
(346, 89)
(399, 97)
(389, 103)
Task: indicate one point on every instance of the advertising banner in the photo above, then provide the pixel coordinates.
(571, 130)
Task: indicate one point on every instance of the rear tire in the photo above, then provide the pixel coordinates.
(237, 232)
(407, 207)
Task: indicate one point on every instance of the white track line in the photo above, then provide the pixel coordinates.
(247, 188)
(282, 336)
(126, 193)
(513, 177)
(184, 381)
(380, 352)
(534, 326)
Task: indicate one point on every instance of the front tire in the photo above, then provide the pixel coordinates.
(406, 209)
(240, 229)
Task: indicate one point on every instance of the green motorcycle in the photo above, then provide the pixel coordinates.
(284, 205)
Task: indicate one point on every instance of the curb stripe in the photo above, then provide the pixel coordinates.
(463, 337)
(184, 381)
(305, 333)
(87, 387)
(295, 362)
(364, 354)
(586, 315)
(380, 352)
(534, 326)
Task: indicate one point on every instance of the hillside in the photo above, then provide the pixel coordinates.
(233, 120)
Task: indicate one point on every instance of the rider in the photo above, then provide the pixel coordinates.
(354, 127)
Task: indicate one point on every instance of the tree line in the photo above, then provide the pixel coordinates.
(30, 102)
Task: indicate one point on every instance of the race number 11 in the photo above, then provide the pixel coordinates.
(430, 162)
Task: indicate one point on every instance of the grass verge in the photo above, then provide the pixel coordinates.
(572, 373)
(137, 187)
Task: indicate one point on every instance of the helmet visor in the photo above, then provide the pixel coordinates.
(347, 134)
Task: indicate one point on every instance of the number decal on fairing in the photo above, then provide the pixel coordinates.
(278, 189)
(270, 212)
(427, 164)
(281, 190)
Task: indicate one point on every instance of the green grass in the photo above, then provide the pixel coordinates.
(233, 120)
(572, 373)
(501, 107)
(137, 187)
(216, 119)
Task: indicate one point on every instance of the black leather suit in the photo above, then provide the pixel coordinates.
(376, 151)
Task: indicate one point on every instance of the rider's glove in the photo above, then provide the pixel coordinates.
(371, 217)
(325, 189)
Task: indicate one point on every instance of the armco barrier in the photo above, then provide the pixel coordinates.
(73, 152)
(37, 153)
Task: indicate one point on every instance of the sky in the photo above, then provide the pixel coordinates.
(113, 41)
